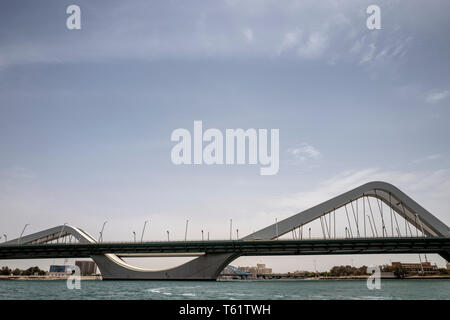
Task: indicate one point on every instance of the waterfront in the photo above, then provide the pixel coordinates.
(197, 290)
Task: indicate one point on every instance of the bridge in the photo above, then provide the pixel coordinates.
(418, 232)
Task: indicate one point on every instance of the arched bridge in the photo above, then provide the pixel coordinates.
(378, 218)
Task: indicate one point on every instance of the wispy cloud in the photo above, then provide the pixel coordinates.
(290, 39)
(436, 96)
(314, 46)
(18, 172)
(248, 34)
(427, 158)
(304, 152)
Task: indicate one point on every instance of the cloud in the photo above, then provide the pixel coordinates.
(314, 46)
(18, 172)
(304, 152)
(308, 47)
(369, 54)
(248, 34)
(290, 39)
(436, 96)
(427, 158)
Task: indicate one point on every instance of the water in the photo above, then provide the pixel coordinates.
(271, 289)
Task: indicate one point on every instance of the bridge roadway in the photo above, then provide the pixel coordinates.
(439, 245)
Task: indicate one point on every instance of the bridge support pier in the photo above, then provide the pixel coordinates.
(206, 267)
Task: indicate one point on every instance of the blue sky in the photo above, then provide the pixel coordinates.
(86, 115)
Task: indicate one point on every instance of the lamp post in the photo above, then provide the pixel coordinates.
(18, 241)
(134, 236)
(143, 230)
(185, 231)
(100, 239)
(237, 234)
(168, 236)
(202, 236)
(231, 228)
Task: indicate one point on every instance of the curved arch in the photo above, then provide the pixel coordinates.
(54, 233)
(389, 194)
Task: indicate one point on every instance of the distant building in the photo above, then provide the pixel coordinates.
(87, 268)
(425, 267)
(231, 272)
(58, 270)
(259, 269)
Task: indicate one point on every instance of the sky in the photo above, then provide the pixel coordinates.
(86, 115)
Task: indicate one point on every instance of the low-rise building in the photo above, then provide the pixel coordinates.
(425, 267)
(259, 269)
(61, 270)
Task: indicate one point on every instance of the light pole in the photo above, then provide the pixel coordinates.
(202, 236)
(18, 241)
(62, 229)
(168, 237)
(237, 234)
(134, 236)
(143, 230)
(309, 233)
(100, 239)
(208, 235)
(231, 228)
(185, 231)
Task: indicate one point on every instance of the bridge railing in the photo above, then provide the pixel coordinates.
(220, 240)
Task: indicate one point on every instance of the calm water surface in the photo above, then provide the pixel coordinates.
(279, 289)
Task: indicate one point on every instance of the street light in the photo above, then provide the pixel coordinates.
(202, 236)
(143, 230)
(309, 233)
(237, 234)
(18, 241)
(134, 235)
(100, 239)
(168, 238)
(185, 231)
(231, 228)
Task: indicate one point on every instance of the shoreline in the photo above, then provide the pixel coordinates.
(99, 277)
(28, 278)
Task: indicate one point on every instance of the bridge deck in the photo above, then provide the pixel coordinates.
(440, 245)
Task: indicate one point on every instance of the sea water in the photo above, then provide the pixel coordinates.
(236, 289)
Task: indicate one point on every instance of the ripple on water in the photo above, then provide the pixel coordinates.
(298, 290)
